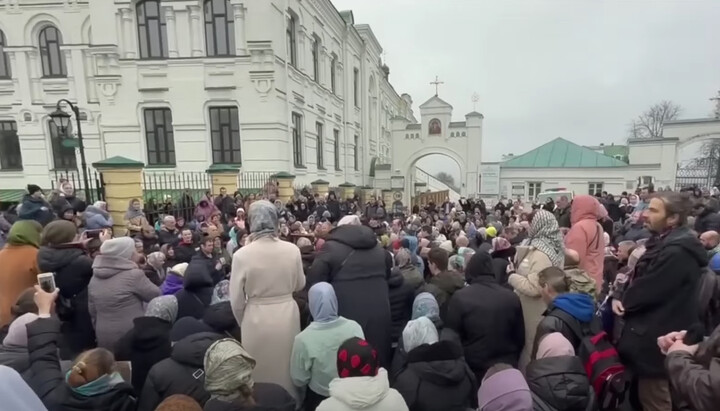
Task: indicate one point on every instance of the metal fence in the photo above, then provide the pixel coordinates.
(692, 176)
(254, 182)
(173, 193)
(95, 190)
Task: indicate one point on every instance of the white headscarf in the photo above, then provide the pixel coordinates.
(418, 332)
(349, 220)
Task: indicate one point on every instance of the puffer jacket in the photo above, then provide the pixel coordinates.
(695, 378)
(363, 393)
(437, 378)
(117, 294)
(95, 218)
(561, 383)
(182, 373)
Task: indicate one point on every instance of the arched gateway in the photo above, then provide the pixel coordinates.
(436, 134)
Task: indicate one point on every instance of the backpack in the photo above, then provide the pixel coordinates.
(601, 360)
(580, 281)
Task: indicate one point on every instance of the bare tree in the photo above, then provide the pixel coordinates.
(650, 123)
(448, 179)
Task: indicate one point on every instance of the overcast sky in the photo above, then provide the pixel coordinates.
(578, 69)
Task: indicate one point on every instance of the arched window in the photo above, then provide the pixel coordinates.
(4, 60)
(152, 32)
(53, 62)
(435, 127)
(219, 28)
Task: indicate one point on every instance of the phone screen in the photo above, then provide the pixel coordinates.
(46, 281)
(93, 233)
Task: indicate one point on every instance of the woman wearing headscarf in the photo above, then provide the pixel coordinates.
(97, 217)
(18, 260)
(148, 342)
(135, 219)
(545, 249)
(312, 363)
(174, 279)
(73, 270)
(558, 378)
(155, 268)
(13, 351)
(265, 274)
(230, 383)
(205, 210)
(586, 236)
(424, 305)
(361, 384)
(118, 291)
(504, 389)
(435, 366)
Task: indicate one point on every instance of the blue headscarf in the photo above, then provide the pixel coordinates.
(323, 303)
(425, 305)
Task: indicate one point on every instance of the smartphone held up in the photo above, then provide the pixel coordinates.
(46, 281)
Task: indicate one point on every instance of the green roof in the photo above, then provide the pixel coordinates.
(561, 153)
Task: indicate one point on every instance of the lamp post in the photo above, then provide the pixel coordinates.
(62, 121)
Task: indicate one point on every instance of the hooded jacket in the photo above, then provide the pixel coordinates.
(363, 393)
(401, 296)
(579, 306)
(196, 293)
(358, 268)
(486, 339)
(73, 271)
(586, 237)
(37, 209)
(661, 298)
(144, 346)
(561, 383)
(117, 293)
(182, 373)
(437, 378)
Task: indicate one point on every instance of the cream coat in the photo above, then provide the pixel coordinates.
(525, 283)
(265, 273)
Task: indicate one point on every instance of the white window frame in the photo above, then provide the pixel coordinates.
(595, 187)
(533, 189)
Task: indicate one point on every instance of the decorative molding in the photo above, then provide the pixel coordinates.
(264, 83)
(108, 87)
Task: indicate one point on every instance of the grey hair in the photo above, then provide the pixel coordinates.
(168, 218)
(263, 217)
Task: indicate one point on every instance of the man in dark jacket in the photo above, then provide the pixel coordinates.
(168, 233)
(443, 283)
(357, 266)
(707, 218)
(333, 206)
(185, 250)
(562, 212)
(34, 206)
(662, 296)
(402, 295)
(487, 317)
(225, 204)
(206, 259)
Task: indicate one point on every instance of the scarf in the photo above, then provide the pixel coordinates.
(546, 237)
(357, 358)
(228, 367)
(164, 307)
(323, 303)
(173, 283)
(100, 386)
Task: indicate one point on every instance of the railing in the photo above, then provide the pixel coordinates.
(173, 193)
(254, 182)
(96, 187)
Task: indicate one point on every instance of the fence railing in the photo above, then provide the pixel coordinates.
(254, 182)
(95, 191)
(176, 194)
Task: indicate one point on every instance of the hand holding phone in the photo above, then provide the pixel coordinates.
(46, 281)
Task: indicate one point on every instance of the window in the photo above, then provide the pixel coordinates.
(4, 60)
(53, 62)
(336, 147)
(355, 153)
(316, 59)
(63, 157)
(152, 34)
(219, 28)
(159, 137)
(356, 84)
(10, 157)
(297, 139)
(533, 190)
(225, 135)
(595, 188)
(291, 40)
(333, 74)
(320, 147)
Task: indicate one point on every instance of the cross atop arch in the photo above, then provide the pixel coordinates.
(437, 83)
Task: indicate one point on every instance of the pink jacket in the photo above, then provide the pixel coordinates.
(586, 236)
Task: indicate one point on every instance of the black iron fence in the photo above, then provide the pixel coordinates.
(95, 190)
(175, 194)
(254, 182)
(693, 176)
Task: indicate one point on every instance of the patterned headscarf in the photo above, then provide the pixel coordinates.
(425, 305)
(164, 307)
(357, 358)
(221, 292)
(545, 236)
(263, 217)
(228, 368)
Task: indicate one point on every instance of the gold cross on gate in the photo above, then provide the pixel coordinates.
(437, 83)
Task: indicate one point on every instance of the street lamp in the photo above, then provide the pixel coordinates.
(62, 121)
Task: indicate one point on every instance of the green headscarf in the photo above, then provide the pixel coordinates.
(25, 232)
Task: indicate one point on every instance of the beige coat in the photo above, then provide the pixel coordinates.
(265, 273)
(525, 283)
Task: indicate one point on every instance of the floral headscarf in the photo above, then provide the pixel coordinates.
(545, 236)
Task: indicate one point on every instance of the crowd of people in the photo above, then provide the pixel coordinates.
(595, 302)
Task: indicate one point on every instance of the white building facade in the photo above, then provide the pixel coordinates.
(264, 85)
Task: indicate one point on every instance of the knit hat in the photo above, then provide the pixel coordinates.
(123, 247)
(179, 269)
(33, 188)
(357, 358)
(17, 332)
(179, 402)
(58, 232)
(491, 232)
(554, 345)
(228, 368)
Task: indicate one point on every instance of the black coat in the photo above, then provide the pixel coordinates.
(168, 237)
(334, 208)
(437, 378)
(500, 262)
(221, 319)
(661, 298)
(208, 264)
(16, 358)
(182, 373)
(145, 345)
(357, 266)
(561, 383)
(268, 397)
(197, 291)
(48, 381)
(401, 297)
(709, 220)
(184, 253)
(73, 271)
(487, 317)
